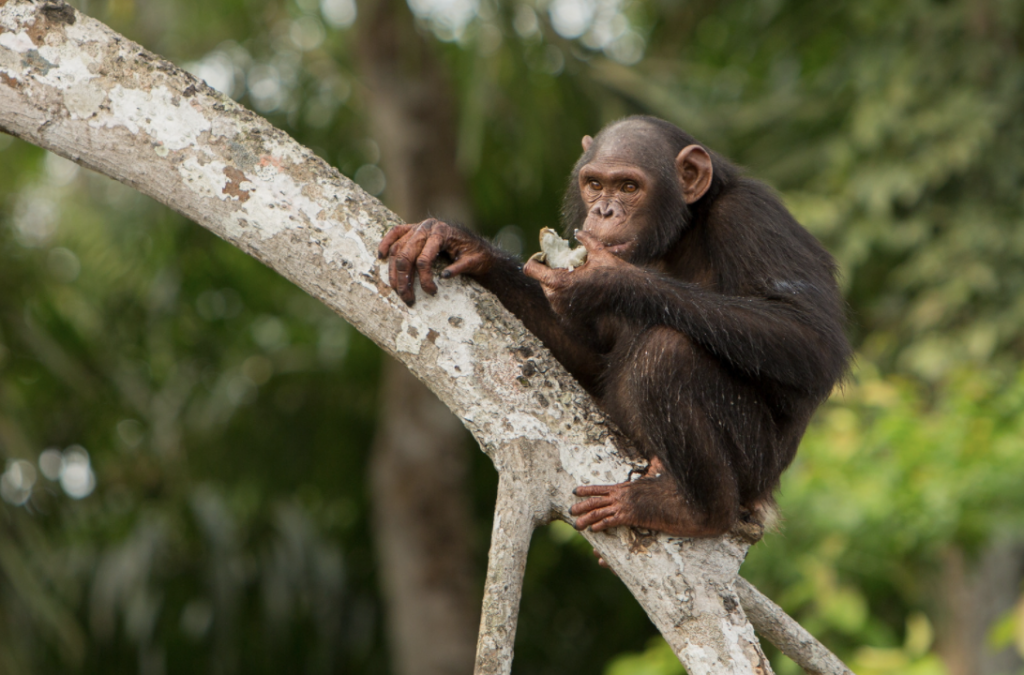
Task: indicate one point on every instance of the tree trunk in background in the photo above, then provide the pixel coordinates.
(421, 526)
(419, 462)
(975, 595)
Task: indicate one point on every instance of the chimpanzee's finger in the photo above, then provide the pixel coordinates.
(589, 241)
(596, 520)
(403, 263)
(467, 262)
(609, 518)
(425, 262)
(396, 248)
(591, 504)
(392, 268)
(390, 237)
(542, 273)
(592, 490)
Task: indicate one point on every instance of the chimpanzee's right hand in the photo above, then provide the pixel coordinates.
(412, 250)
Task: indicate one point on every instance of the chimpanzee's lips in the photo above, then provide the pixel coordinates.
(618, 248)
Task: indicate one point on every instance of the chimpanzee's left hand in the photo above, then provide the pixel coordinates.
(412, 250)
(560, 284)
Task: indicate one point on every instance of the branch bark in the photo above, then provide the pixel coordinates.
(73, 86)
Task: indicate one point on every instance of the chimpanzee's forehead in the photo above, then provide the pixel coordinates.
(634, 141)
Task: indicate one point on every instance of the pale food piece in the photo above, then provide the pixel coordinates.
(555, 252)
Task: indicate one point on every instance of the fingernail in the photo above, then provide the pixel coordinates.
(574, 492)
(446, 274)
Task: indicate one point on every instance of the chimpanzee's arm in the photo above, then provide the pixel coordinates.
(523, 296)
(413, 249)
(794, 336)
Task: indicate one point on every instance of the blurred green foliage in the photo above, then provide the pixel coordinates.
(226, 417)
(888, 482)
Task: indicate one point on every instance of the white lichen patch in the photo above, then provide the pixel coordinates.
(265, 201)
(700, 660)
(74, 66)
(58, 63)
(677, 585)
(444, 321)
(343, 246)
(18, 42)
(160, 113)
(454, 337)
(523, 425)
(10, 61)
(206, 179)
(590, 467)
(411, 335)
(736, 636)
(270, 197)
(268, 169)
(509, 426)
(225, 127)
(83, 99)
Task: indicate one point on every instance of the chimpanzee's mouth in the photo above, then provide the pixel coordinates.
(620, 249)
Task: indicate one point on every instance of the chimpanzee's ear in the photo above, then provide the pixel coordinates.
(587, 140)
(693, 165)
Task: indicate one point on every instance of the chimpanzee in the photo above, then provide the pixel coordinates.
(706, 321)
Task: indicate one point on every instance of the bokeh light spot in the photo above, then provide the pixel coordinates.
(216, 69)
(270, 333)
(571, 18)
(63, 264)
(77, 478)
(306, 33)
(130, 432)
(257, 369)
(17, 481)
(60, 172)
(371, 179)
(51, 463)
(338, 13)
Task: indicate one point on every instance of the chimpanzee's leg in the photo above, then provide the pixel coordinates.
(704, 426)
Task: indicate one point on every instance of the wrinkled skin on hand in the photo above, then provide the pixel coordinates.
(412, 250)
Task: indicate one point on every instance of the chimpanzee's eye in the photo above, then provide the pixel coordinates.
(630, 187)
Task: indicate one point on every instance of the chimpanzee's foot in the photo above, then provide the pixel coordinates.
(652, 503)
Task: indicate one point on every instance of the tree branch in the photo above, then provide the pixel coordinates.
(790, 637)
(73, 86)
(515, 519)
